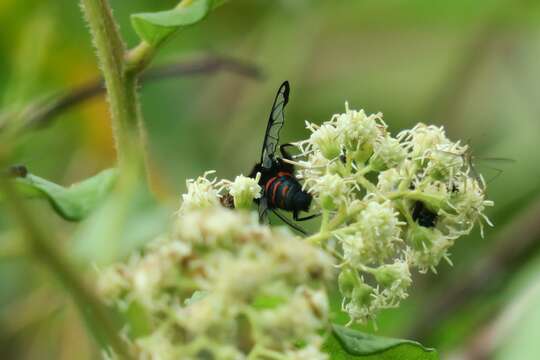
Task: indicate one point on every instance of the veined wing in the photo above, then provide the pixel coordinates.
(275, 123)
(494, 160)
(263, 210)
(483, 162)
(474, 161)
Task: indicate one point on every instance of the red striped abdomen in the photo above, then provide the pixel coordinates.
(280, 189)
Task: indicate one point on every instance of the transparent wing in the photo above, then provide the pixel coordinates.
(495, 160)
(263, 210)
(275, 123)
(473, 162)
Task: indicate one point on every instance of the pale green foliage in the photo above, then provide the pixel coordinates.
(155, 27)
(75, 202)
(347, 343)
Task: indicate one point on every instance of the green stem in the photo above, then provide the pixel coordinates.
(121, 88)
(365, 170)
(319, 237)
(139, 57)
(328, 226)
(435, 200)
(88, 303)
(324, 221)
(338, 219)
(402, 207)
(366, 184)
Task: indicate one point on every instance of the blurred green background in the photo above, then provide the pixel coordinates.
(472, 66)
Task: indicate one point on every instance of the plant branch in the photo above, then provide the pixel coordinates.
(44, 250)
(42, 113)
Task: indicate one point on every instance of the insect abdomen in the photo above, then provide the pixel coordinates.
(280, 191)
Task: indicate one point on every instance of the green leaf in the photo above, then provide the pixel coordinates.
(155, 27)
(73, 203)
(347, 343)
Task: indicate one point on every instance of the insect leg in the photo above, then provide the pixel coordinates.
(284, 219)
(498, 173)
(284, 153)
(263, 210)
(297, 218)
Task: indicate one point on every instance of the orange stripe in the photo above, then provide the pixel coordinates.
(269, 184)
(276, 185)
(284, 173)
(283, 195)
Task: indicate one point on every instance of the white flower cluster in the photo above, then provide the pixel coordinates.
(222, 286)
(388, 204)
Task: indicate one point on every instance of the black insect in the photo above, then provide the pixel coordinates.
(423, 216)
(281, 189)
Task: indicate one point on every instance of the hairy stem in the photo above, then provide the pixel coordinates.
(121, 88)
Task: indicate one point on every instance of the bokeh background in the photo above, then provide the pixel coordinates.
(472, 66)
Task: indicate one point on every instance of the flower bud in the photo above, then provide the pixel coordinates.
(347, 280)
(420, 237)
(393, 274)
(362, 153)
(325, 138)
(361, 294)
(379, 229)
(424, 139)
(443, 166)
(389, 180)
(357, 129)
(331, 190)
(244, 190)
(388, 152)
